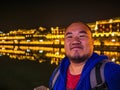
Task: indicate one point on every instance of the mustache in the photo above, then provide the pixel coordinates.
(76, 45)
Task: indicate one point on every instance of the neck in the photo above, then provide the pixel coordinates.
(76, 68)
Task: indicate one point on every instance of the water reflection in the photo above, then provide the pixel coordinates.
(42, 54)
(25, 67)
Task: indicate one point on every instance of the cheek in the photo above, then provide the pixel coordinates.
(66, 45)
(88, 45)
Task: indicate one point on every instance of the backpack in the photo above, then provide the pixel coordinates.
(97, 79)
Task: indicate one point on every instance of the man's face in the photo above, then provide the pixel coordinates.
(78, 42)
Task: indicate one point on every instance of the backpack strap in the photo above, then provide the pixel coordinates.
(97, 79)
(54, 77)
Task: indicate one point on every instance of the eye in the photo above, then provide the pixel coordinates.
(69, 36)
(84, 35)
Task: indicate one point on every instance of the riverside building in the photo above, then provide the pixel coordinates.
(49, 42)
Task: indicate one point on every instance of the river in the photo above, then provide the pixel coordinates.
(24, 69)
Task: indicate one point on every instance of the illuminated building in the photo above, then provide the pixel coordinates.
(34, 43)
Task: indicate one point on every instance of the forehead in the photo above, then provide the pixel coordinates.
(77, 27)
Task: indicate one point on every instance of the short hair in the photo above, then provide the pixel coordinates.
(81, 23)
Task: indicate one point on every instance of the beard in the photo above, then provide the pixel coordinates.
(78, 58)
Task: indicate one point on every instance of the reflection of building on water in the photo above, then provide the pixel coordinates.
(37, 44)
(43, 54)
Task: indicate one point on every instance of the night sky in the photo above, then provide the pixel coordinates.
(30, 14)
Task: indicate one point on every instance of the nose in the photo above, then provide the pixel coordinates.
(76, 39)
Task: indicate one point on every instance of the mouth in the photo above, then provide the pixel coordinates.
(76, 47)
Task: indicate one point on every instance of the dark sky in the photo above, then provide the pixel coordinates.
(28, 14)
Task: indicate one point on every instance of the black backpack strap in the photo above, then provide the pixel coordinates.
(97, 79)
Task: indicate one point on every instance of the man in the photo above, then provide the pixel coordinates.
(74, 69)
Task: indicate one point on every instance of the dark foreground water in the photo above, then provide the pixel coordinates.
(23, 74)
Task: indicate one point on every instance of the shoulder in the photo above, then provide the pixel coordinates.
(112, 75)
(112, 70)
(112, 66)
(55, 71)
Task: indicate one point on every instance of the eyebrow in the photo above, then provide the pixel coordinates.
(84, 32)
(68, 33)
